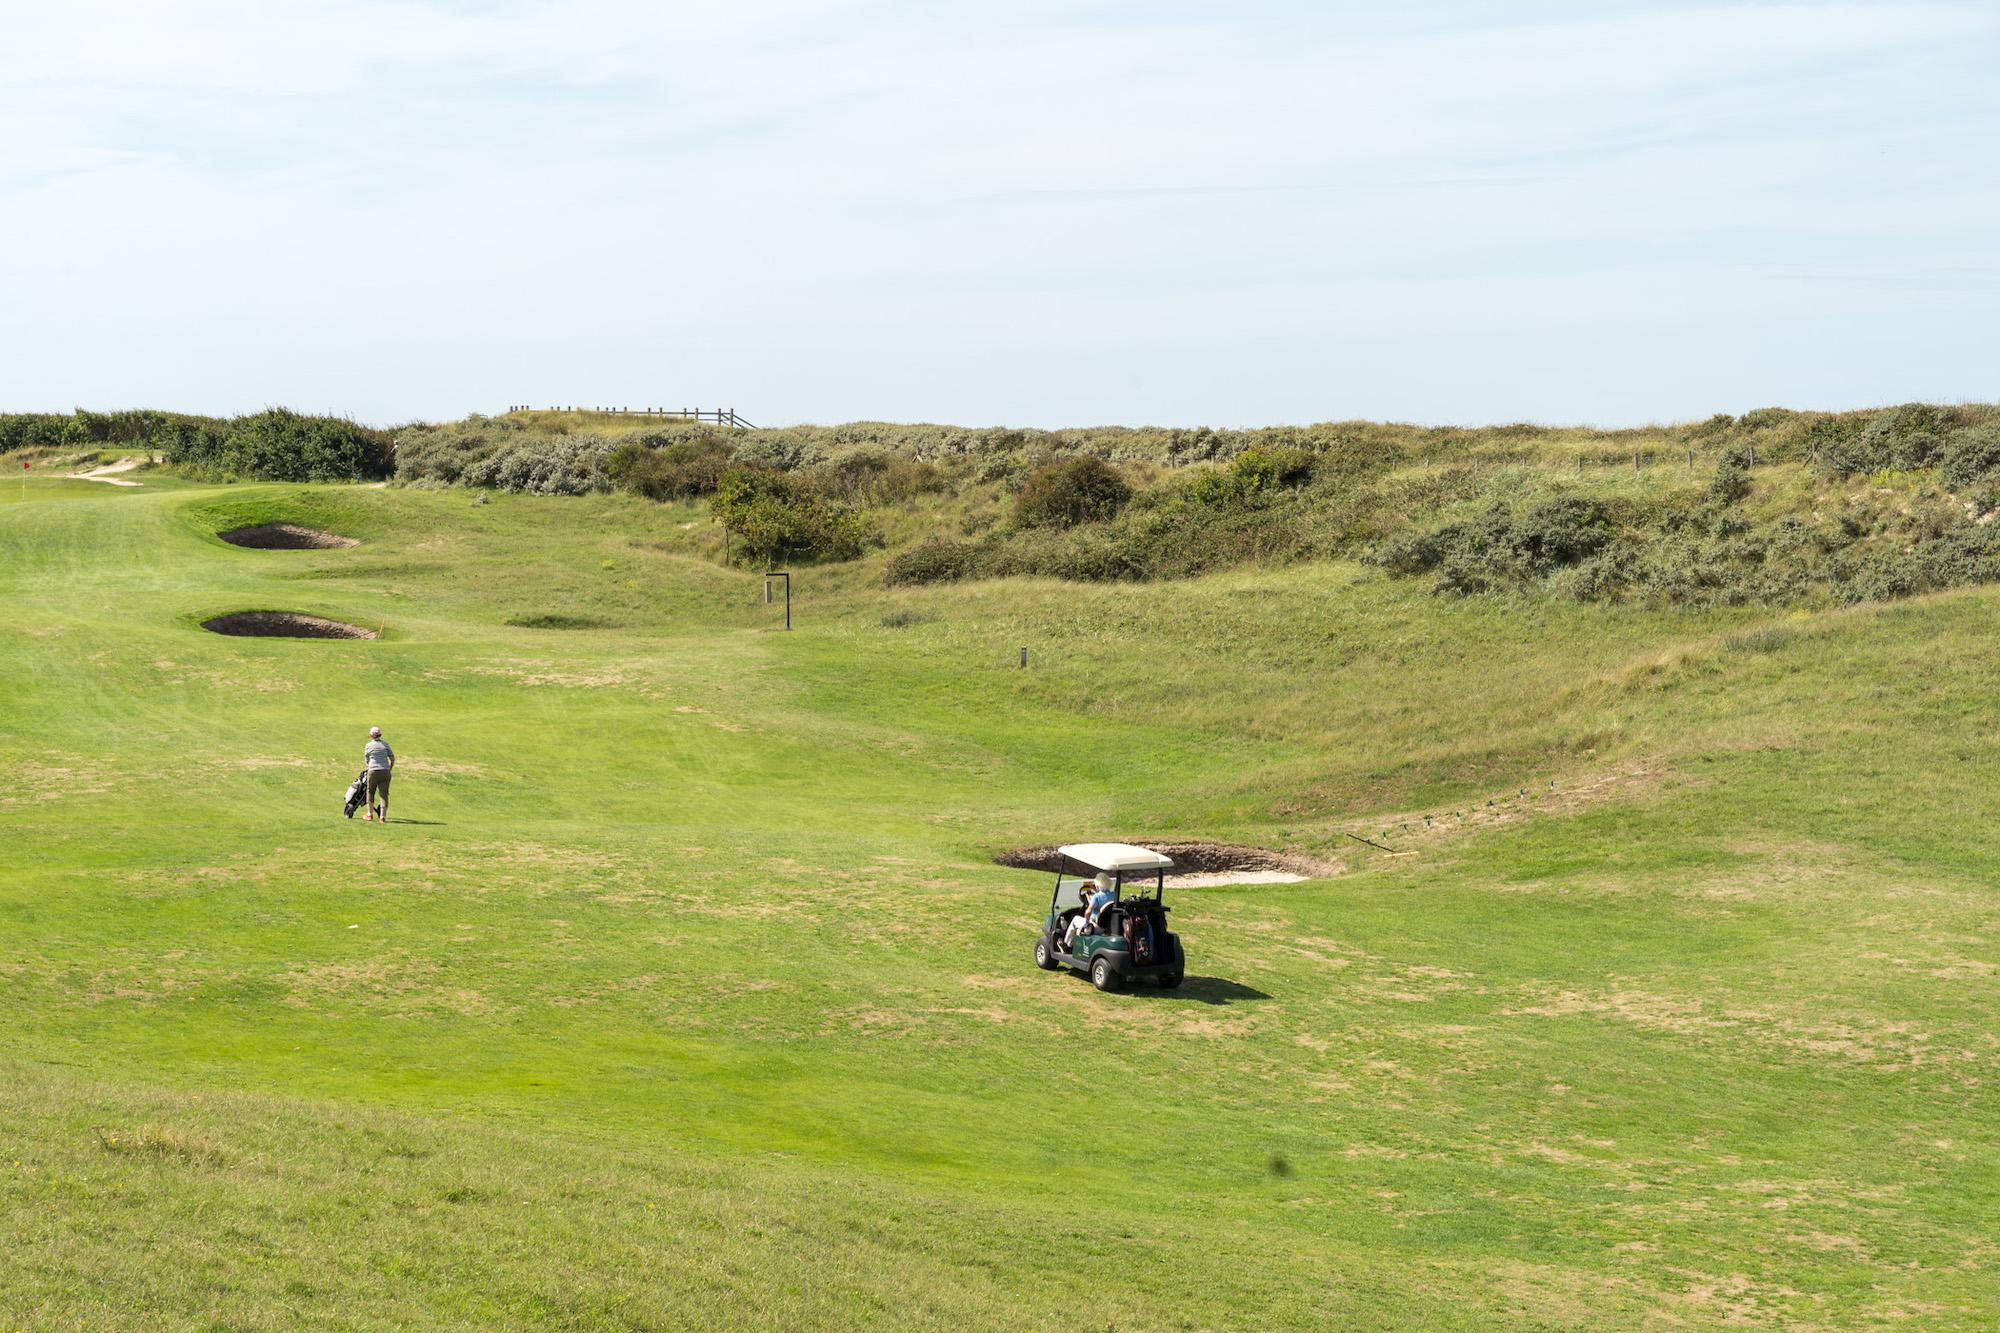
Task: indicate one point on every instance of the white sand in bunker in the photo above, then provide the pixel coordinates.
(1209, 879)
(108, 474)
(1203, 865)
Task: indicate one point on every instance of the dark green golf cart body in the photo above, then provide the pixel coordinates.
(1129, 940)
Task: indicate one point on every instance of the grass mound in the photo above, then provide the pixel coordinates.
(283, 625)
(286, 537)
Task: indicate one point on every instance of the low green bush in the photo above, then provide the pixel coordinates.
(782, 451)
(1766, 418)
(1254, 476)
(935, 561)
(1082, 555)
(538, 464)
(40, 431)
(1731, 481)
(771, 516)
(1499, 547)
(444, 453)
(1417, 551)
(1895, 439)
(877, 477)
(1970, 456)
(1559, 532)
(278, 445)
(681, 470)
(1076, 490)
(1604, 577)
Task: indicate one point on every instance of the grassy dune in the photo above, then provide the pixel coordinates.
(683, 990)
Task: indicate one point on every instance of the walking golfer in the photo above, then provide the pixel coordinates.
(380, 761)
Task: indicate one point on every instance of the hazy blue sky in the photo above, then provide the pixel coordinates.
(1025, 212)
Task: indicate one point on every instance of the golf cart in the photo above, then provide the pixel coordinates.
(1129, 937)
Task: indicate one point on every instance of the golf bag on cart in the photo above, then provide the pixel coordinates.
(357, 792)
(1145, 929)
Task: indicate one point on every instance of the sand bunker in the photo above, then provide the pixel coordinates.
(285, 537)
(283, 625)
(108, 474)
(1203, 864)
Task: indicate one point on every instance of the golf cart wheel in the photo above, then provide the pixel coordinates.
(1045, 954)
(1170, 981)
(1104, 976)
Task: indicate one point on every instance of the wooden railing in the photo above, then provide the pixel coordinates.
(721, 416)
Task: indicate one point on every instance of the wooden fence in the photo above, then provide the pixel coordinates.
(721, 416)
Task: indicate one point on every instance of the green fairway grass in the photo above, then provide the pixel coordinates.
(682, 989)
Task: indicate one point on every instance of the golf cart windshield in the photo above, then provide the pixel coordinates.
(1069, 892)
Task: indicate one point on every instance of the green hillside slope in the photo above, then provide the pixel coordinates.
(683, 990)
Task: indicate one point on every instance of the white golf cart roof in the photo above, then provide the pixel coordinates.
(1116, 856)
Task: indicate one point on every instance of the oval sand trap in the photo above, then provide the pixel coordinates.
(285, 537)
(283, 625)
(1203, 864)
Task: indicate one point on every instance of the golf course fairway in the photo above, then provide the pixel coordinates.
(683, 990)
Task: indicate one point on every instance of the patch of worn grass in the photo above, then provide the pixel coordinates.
(558, 620)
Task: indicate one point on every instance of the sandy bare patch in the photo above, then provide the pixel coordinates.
(1736, 1298)
(131, 986)
(539, 672)
(873, 1022)
(67, 776)
(1059, 1001)
(568, 858)
(440, 768)
(166, 671)
(109, 474)
(396, 986)
(1876, 1043)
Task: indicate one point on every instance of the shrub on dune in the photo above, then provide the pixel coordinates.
(771, 516)
(1077, 490)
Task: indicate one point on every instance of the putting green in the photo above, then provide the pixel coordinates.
(682, 989)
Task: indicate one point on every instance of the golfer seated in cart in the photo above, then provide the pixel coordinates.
(1095, 894)
(1112, 924)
